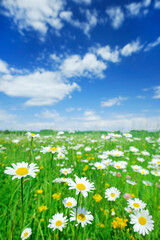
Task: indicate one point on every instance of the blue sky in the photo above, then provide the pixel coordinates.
(79, 65)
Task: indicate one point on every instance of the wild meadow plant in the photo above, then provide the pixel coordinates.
(80, 186)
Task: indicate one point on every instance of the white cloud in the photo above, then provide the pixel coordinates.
(116, 16)
(35, 14)
(55, 57)
(157, 92)
(134, 8)
(83, 1)
(109, 55)
(157, 4)
(66, 15)
(5, 116)
(141, 97)
(86, 26)
(42, 88)
(91, 116)
(113, 101)
(54, 115)
(146, 3)
(71, 109)
(152, 44)
(3, 67)
(88, 121)
(130, 48)
(75, 66)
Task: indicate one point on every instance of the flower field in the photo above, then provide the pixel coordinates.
(89, 185)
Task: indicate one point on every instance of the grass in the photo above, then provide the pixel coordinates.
(11, 220)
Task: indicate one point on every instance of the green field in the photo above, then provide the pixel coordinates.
(79, 151)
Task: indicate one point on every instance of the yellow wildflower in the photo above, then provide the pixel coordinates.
(85, 168)
(97, 197)
(42, 208)
(56, 196)
(119, 223)
(40, 191)
(107, 185)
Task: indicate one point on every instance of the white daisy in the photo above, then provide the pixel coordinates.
(119, 164)
(66, 171)
(107, 162)
(147, 183)
(70, 202)
(117, 153)
(142, 222)
(131, 182)
(82, 217)
(81, 185)
(20, 170)
(29, 134)
(128, 135)
(156, 173)
(133, 149)
(112, 193)
(26, 233)
(136, 204)
(58, 222)
(99, 165)
(143, 171)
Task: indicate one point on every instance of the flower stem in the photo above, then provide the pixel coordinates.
(30, 150)
(75, 236)
(22, 201)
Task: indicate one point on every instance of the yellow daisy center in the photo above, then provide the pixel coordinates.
(158, 162)
(99, 166)
(117, 154)
(156, 173)
(80, 186)
(53, 149)
(69, 204)
(25, 234)
(58, 223)
(142, 220)
(136, 205)
(142, 172)
(65, 171)
(81, 217)
(107, 162)
(118, 166)
(22, 171)
(32, 135)
(113, 194)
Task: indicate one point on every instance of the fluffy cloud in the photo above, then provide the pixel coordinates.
(47, 114)
(116, 16)
(109, 55)
(75, 66)
(42, 88)
(83, 1)
(131, 48)
(3, 67)
(113, 101)
(157, 4)
(5, 116)
(157, 92)
(152, 44)
(135, 8)
(91, 121)
(90, 22)
(35, 14)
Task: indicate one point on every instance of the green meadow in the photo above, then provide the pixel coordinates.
(29, 202)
